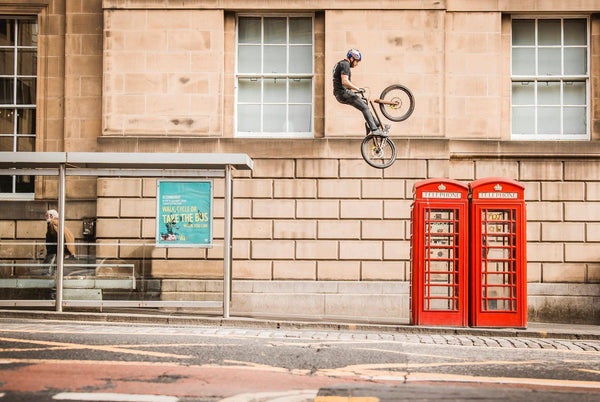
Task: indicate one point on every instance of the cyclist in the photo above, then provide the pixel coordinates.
(343, 87)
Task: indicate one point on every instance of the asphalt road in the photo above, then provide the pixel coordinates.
(43, 360)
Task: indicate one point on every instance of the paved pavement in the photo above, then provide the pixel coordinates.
(533, 330)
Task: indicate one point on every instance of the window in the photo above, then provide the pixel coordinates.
(274, 76)
(550, 79)
(18, 70)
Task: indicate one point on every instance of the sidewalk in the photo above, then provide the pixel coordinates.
(533, 330)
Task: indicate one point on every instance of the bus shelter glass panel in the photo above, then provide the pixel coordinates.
(25, 273)
(116, 258)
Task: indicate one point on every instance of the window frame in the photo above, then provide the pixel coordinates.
(14, 107)
(261, 76)
(562, 79)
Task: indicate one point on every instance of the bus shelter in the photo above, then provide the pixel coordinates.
(152, 165)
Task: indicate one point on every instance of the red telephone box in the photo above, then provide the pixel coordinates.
(439, 253)
(498, 253)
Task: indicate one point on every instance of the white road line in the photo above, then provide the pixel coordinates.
(111, 397)
(287, 396)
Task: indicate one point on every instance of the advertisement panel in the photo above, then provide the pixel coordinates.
(184, 213)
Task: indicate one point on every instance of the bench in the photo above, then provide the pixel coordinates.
(78, 284)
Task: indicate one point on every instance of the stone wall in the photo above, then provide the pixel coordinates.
(322, 224)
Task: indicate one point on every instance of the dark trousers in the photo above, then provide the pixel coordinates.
(350, 98)
(51, 260)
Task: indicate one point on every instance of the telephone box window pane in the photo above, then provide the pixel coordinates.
(575, 32)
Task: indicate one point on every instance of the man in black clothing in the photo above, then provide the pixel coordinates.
(343, 87)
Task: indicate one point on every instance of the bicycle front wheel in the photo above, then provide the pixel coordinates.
(377, 151)
(403, 102)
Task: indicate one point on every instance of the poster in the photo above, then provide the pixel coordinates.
(184, 214)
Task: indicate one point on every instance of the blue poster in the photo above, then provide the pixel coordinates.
(184, 213)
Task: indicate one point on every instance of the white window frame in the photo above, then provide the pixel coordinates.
(14, 106)
(262, 76)
(557, 78)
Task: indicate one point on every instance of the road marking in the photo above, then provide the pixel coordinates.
(400, 352)
(110, 397)
(103, 348)
(288, 396)
(333, 398)
(554, 383)
(590, 371)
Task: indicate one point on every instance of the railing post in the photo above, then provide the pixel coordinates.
(60, 239)
(227, 254)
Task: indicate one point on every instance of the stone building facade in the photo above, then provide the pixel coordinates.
(317, 232)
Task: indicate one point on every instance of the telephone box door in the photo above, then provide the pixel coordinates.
(439, 253)
(498, 254)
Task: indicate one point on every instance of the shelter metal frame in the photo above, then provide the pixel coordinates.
(125, 164)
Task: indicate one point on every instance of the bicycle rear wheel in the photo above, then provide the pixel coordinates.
(377, 151)
(404, 102)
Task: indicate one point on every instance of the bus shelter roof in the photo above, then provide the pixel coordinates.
(125, 160)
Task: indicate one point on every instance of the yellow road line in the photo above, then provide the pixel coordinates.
(400, 352)
(95, 347)
(555, 383)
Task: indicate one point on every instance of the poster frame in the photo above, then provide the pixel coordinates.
(166, 244)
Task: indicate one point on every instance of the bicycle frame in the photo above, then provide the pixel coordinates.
(379, 101)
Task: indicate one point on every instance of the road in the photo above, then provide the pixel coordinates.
(42, 360)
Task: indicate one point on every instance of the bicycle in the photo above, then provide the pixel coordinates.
(396, 103)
